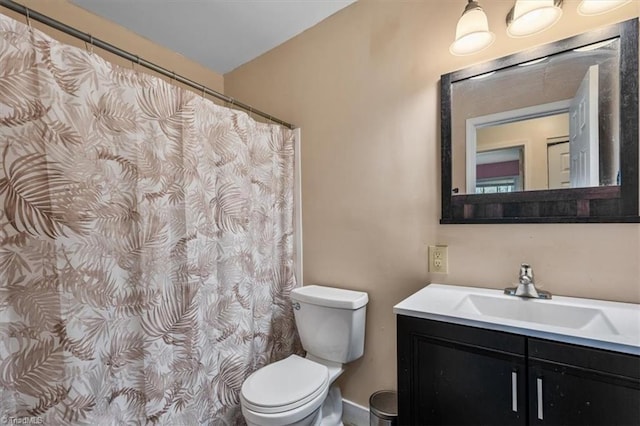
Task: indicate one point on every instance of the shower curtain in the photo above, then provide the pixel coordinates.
(146, 243)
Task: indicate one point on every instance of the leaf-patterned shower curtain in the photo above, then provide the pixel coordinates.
(146, 243)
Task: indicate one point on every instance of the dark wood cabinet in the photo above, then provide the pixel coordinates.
(471, 386)
(456, 375)
(573, 385)
(451, 374)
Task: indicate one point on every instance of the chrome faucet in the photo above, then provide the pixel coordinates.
(526, 286)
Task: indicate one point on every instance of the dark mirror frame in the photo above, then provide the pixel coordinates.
(604, 204)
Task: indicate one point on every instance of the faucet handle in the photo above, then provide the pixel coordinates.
(526, 272)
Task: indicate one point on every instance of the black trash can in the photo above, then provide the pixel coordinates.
(383, 408)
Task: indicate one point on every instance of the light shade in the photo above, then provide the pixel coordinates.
(596, 7)
(528, 17)
(472, 31)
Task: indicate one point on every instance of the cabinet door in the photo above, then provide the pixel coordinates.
(573, 385)
(447, 378)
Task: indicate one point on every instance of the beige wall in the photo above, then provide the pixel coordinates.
(363, 86)
(74, 16)
(534, 135)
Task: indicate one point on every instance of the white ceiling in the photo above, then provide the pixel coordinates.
(219, 34)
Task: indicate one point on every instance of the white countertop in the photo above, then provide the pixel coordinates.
(596, 323)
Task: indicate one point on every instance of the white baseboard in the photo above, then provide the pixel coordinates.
(354, 414)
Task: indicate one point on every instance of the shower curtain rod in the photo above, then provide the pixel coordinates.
(88, 38)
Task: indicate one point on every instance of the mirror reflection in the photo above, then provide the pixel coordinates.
(547, 124)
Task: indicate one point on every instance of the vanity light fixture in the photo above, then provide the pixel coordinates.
(528, 17)
(596, 7)
(472, 31)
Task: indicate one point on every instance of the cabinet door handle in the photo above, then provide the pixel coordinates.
(539, 386)
(514, 391)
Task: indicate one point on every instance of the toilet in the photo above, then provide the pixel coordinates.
(298, 391)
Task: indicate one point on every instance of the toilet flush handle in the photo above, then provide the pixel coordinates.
(296, 306)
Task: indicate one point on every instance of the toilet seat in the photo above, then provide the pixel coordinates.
(284, 385)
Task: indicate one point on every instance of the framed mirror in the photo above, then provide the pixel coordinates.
(545, 135)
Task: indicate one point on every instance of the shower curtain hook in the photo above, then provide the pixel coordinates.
(28, 18)
(91, 42)
(204, 93)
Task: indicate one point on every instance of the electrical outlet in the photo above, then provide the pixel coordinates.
(438, 259)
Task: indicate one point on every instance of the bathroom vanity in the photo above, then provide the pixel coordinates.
(469, 356)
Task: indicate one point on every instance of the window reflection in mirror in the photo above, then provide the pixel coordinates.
(498, 170)
(559, 113)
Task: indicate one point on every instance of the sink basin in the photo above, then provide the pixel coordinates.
(538, 311)
(597, 323)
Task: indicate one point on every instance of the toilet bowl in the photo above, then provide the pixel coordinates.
(297, 391)
(287, 392)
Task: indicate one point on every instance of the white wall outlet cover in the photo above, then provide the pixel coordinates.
(438, 259)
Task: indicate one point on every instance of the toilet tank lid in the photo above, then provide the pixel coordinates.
(330, 297)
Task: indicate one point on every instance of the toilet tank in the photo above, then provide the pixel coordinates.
(330, 321)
